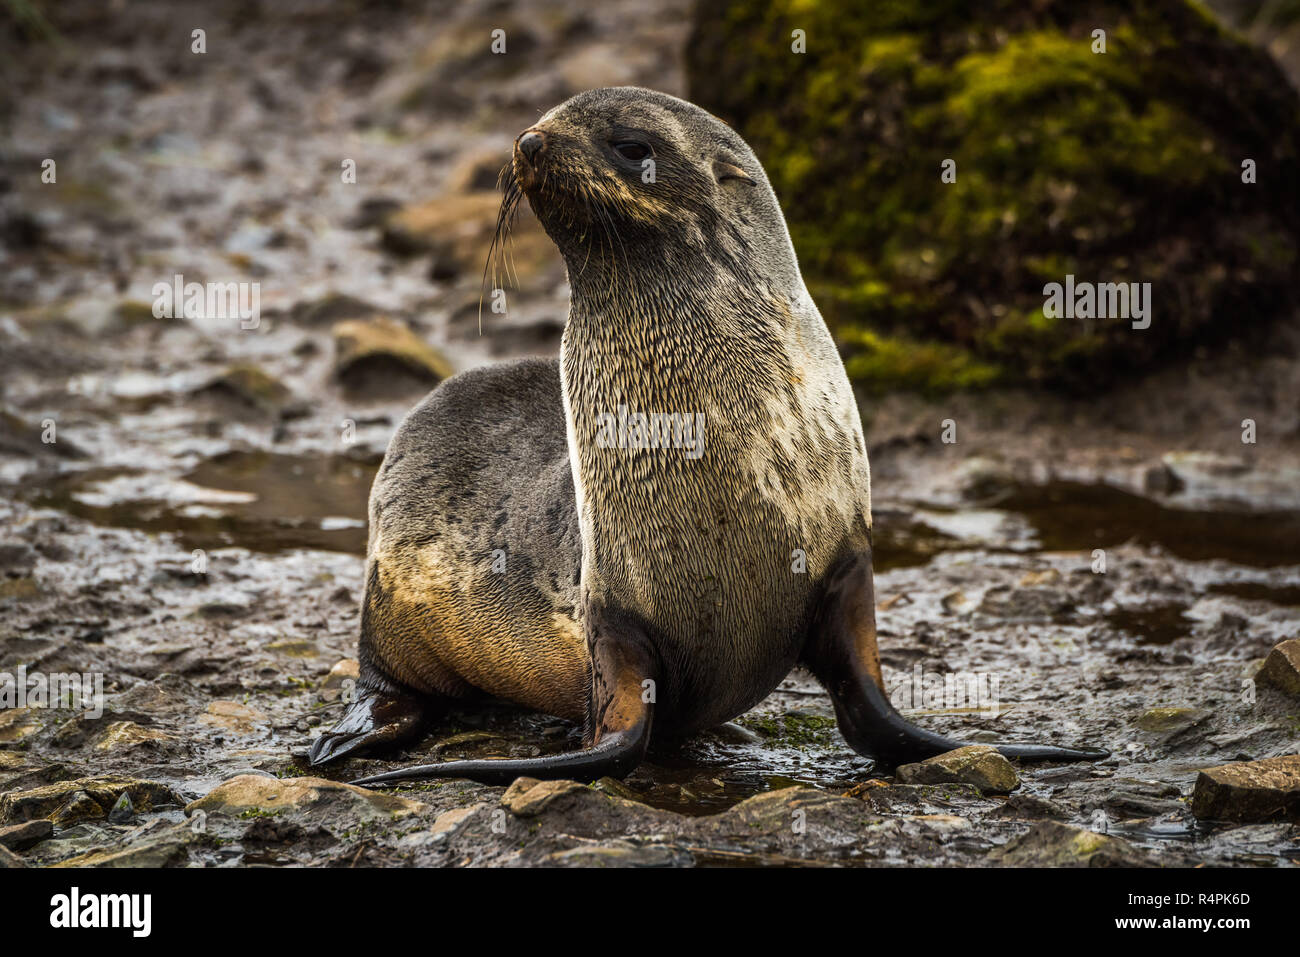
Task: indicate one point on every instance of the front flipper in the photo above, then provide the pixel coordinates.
(842, 653)
(619, 719)
(376, 719)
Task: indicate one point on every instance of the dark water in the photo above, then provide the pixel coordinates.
(1152, 626)
(1069, 516)
(1287, 596)
(296, 502)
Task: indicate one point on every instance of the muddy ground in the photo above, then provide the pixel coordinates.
(194, 532)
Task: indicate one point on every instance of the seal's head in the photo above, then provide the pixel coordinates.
(624, 174)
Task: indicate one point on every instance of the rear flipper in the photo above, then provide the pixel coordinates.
(376, 719)
(619, 708)
(843, 655)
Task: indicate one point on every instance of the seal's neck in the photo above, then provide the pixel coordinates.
(670, 376)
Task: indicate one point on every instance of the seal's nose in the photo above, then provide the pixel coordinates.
(531, 144)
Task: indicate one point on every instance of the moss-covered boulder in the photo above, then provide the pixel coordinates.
(1122, 166)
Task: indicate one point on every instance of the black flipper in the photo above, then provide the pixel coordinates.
(843, 656)
(375, 720)
(619, 710)
(615, 756)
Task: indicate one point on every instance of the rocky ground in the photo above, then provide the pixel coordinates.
(194, 531)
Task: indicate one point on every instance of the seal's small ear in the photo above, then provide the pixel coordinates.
(723, 171)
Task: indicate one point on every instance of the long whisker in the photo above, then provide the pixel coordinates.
(586, 202)
(627, 262)
(505, 220)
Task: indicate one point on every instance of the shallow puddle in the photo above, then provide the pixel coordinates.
(1152, 626)
(1069, 516)
(262, 501)
(1288, 596)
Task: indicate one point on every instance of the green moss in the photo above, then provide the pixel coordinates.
(883, 363)
(799, 731)
(1115, 167)
(256, 812)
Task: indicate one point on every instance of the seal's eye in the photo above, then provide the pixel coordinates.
(631, 150)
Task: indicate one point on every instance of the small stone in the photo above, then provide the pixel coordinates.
(124, 735)
(16, 724)
(19, 589)
(456, 226)
(123, 811)
(330, 309)
(1022, 805)
(258, 793)
(1130, 798)
(528, 797)
(9, 859)
(247, 386)
(448, 821)
(1282, 667)
(341, 677)
(771, 811)
(1047, 576)
(12, 760)
(457, 231)
(1053, 844)
(864, 789)
(476, 172)
(983, 478)
(977, 764)
(382, 355)
(17, 557)
(1026, 604)
(1252, 792)
(216, 610)
(1160, 479)
(234, 716)
(79, 807)
(19, 837)
(736, 734)
(1167, 720)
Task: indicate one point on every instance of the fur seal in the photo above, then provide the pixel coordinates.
(654, 529)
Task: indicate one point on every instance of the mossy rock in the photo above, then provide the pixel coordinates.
(457, 230)
(247, 386)
(98, 794)
(382, 356)
(1123, 166)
